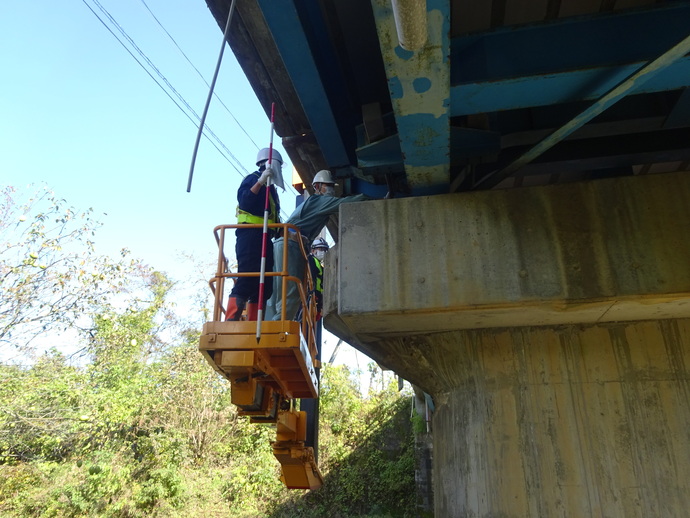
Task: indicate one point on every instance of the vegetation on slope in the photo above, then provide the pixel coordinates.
(135, 423)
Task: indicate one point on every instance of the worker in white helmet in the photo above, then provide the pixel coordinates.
(251, 199)
(316, 258)
(310, 217)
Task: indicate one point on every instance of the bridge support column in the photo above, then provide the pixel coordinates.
(551, 325)
(591, 421)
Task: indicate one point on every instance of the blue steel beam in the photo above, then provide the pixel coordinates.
(419, 86)
(557, 88)
(290, 37)
(568, 44)
(385, 155)
(564, 61)
(629, 85)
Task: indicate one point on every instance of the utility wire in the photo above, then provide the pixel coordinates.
(209, 86)
(142, 54)
(160, 74)
(199, 73)
(154, 79)
(165, 80)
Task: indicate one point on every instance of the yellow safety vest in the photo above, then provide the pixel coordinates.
(247, 217)
(319, 276)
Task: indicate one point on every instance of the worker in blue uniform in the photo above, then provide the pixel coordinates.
(251, 199)
(310, 217)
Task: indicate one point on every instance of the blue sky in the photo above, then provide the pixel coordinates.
(78, 113)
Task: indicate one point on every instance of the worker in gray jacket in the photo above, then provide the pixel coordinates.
(310, 217)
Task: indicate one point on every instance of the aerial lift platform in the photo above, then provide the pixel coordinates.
(269, 367)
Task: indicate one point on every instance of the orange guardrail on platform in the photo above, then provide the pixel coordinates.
(267, 373)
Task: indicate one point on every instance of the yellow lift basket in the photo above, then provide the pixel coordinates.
(268, 373)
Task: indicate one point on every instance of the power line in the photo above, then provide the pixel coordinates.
(207, 84)
(218, 142)
(160, 74)
(165, 80)
(199, 73)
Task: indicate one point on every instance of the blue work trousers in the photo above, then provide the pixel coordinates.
(248, 252)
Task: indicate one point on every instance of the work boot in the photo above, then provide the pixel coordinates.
(252, 310)
(235, 308)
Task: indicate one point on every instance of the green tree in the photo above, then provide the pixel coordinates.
(41, 410)
(90, 430)
(140, 425)
(366, 453)
(50, 275)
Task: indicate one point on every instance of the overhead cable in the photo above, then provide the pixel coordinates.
(213, 136)
(160, 74)
(199, 73)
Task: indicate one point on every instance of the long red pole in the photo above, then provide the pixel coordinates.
(264, 242)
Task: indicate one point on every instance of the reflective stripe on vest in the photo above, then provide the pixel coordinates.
(319, 276)
(247, 217)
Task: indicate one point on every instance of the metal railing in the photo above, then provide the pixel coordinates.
(305, 288)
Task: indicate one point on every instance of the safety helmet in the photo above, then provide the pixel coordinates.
(323, 176)
(263, 155)
(320, 242)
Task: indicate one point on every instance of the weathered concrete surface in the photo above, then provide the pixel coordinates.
(590, 422)
(599, 251)
(552, 327)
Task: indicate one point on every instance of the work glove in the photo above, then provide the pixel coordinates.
(265, 176)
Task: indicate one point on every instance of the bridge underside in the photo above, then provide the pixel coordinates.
(551, 325)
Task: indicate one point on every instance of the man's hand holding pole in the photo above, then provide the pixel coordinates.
(266, 176)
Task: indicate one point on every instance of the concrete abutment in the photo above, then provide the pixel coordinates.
(551, 325)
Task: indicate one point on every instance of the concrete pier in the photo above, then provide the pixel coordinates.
(551, 325)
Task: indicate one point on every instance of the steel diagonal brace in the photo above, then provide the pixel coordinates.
(626, 87)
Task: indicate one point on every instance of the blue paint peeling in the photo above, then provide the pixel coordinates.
(403, 54)
(421, 84)
(420, 92)
(429, 139)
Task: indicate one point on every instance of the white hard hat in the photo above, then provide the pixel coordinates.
(320, 242)
(323, 176)
(263, 155)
